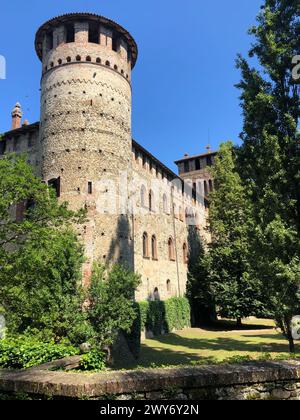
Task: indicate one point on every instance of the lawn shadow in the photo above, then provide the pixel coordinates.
(156, 357)
(228, 325)
(174, 355)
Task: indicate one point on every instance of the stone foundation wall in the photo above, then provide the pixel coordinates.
(250, 381)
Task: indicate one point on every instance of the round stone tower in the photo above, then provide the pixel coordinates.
(85, 126)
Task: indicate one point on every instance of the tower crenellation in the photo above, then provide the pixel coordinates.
(86, 37)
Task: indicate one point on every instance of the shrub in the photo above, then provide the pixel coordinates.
(111, 308)
(143, 311)
(133, 337)
(24, 352)
(164, 316)
(94, 360)
(156, 317)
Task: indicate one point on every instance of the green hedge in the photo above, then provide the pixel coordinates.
(165, 316)
(177, 314)
(24, 352)
(158, 317)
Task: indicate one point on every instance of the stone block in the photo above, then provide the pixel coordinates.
(280, 394)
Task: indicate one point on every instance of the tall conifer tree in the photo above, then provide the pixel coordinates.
(269, 159)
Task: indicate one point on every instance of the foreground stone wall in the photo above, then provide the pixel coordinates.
(250, 381)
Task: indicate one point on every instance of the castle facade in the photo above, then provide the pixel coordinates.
(139, 212)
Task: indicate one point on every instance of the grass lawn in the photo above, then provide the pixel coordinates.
(257, 337)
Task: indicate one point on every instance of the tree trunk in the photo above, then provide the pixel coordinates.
(291, 341)
(292, 345)
(289, 335)
(239, 322)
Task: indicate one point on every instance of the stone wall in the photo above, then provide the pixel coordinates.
(250, 381)
(83, 143)
(167, 219)
(25, 140)
(116, 237)
(85, 135)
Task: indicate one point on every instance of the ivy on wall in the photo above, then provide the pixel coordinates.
(159, 317)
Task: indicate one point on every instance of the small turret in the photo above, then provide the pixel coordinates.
(16, 116)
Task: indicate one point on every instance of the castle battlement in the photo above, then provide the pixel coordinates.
(86, 38)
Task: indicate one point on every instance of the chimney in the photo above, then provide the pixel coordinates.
(25, 123)
(16, 116)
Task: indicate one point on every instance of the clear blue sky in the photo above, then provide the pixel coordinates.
(183, 83)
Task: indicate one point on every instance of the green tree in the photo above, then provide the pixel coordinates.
(20, 186)
(269, 159)
(236, 292)
(40, 256)
(199, 290)
(110, 307)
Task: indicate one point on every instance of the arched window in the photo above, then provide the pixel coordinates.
(151, 201)
(68, 59)
(171, 250)
(143, 196)
(107, 63)
(185, 253)
(55, 183)
(88, 58)
(78, 58)
(165, 203)
(169, 286)
(156, 294)
(154, 247)
(145, 245)
(98, 60)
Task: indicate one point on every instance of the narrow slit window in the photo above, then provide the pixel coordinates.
(90, 188)
(194, 191)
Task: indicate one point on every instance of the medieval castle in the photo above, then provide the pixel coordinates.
(139, 211)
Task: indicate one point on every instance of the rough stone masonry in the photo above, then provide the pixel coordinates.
(139, 211)
(272, 380)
